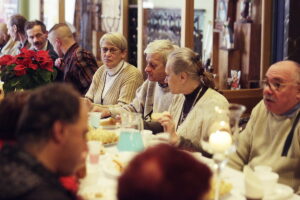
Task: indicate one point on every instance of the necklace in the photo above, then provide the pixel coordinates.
(112, 75)
(183, 115)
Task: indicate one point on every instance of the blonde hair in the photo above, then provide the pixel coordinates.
(161, 47)
(116, 39)
(186, 60)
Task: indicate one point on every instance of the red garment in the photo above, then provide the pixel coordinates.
(70, 183)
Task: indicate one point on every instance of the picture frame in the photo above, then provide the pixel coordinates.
(225, 11)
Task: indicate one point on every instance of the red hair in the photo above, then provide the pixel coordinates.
(164, 173)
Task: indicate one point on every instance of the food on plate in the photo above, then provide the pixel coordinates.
(157, 116)
(105, 136)
(108, 122)
(225, 189)
(119, 165)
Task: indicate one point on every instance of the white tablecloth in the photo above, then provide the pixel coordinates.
(99, 185)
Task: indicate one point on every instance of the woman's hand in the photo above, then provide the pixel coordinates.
(169, 126)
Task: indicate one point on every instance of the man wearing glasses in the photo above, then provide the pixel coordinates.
(77, 64)
(272, 134)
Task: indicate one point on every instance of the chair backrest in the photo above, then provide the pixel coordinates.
(246, 97)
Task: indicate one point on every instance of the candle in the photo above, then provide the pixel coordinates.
(220, 141)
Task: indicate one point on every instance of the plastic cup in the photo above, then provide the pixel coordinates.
(94, 119)
(94, 151)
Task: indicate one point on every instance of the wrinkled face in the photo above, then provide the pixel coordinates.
(75, 146)
(281, 91)
(12, 31)
(111, 55)
(36, 37)
(155, 68)
(56, 44)
(174, 81)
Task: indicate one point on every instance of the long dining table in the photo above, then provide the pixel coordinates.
(101, 180)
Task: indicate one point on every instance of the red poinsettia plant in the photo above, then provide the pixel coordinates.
(27, 70)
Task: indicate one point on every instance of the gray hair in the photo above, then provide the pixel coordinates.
(161, 47)
(186, 60)
(116, 39)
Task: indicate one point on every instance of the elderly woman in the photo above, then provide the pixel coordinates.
(192, 111)
(116, 81)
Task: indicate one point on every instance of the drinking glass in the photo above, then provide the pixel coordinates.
(130, 133)
(223, 139)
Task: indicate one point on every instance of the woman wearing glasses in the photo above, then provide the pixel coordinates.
(116, 81)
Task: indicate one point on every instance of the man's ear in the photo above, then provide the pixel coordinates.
(58, 132)
(183, 76)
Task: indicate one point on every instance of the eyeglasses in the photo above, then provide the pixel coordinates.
(111, 50)
(275, 85)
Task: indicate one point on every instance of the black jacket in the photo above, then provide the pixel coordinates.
(24, 178)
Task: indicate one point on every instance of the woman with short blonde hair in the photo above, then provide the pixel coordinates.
(116, 81)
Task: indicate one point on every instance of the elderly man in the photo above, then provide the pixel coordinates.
(78, 65)
(4, 37)
(51, 143)
(272, 134)
(15, 25)
(153, 95)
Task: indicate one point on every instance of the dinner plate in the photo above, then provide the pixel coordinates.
(280, 192)
(114, 165)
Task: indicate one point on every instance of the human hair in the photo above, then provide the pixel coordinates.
(116, 39)
(161, 47)
(186, 60)
(19, 21)
(46, 105)
(10, 110)
(31, 24)
(164, 172)
(65, 31)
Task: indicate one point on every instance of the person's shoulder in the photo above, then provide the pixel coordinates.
(48, 192)
(132, 70)
(215, 95)
(16, 178)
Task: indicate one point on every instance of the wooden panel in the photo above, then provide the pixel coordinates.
(187, 27)
(248, 42)
(266, 40)
(228, 59)
(246, 97)
(61, 13)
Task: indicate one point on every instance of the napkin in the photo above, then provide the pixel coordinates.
(253, 184)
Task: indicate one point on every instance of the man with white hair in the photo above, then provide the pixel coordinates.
(272, 135)
(78, 65)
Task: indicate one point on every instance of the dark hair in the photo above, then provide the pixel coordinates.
(46, 105)
(19, 21)
(10, 110)
(165, 173)
(31, 24)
